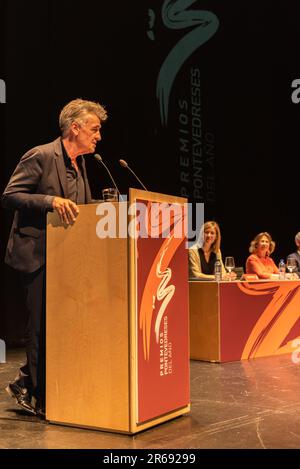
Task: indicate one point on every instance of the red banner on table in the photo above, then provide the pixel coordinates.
(258, 319)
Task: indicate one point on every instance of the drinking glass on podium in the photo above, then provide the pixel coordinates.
(229, 265)
(110, 194)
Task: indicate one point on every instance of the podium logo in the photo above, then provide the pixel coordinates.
(2, 91)
(164, 291)
(158, 293)
(201, 25)
(2, 351)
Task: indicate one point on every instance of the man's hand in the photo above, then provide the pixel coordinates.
(66, 209)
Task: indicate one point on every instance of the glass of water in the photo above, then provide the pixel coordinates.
(229, 265)
(110, 194)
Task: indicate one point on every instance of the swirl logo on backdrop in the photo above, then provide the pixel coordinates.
(195, 143)
(201, 26)
(2, 91)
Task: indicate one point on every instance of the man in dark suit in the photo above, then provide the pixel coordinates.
(296, 256)
(48, 177)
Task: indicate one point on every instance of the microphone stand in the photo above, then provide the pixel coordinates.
(100, 160)
(124, 164)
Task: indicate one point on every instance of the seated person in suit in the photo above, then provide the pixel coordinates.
(260, 262)
(204, 253)
(296, 255)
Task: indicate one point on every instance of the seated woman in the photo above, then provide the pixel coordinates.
(260, 262)
(203, 255)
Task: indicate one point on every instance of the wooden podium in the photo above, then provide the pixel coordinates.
(117, 340)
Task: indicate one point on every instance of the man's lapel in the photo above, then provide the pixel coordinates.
(61, 167)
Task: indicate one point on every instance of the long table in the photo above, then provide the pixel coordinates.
(241, 320)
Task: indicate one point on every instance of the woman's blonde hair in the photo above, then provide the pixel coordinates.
(255, 241)
(208, 226)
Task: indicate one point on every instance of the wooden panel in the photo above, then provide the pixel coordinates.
(91, 337)
(155, 197)
(87, 325)
(161, 419)
(204, 321)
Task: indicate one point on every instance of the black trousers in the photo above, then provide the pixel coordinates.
(33, 373)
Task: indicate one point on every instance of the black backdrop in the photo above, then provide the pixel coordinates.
(230, 137)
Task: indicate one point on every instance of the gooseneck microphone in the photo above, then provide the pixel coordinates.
(125, 165)
(100, 160)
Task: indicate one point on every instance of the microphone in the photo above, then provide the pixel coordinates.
(125, 165)
(100, 160)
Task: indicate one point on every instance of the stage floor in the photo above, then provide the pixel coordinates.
(247, 405)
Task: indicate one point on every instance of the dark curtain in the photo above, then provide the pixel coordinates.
(113, 52)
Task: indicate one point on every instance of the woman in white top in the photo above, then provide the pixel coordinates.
(205, 252)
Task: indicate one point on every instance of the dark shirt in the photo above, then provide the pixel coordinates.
(75, 181)
(207, 267)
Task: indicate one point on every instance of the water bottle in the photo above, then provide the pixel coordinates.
(281, 268)
(218, 270)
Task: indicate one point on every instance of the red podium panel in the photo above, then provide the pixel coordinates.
(162, 319)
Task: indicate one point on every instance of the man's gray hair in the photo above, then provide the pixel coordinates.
(297, 237)
(77, 110)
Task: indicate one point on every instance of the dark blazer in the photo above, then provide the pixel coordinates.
(296, 256)
(38, 178)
